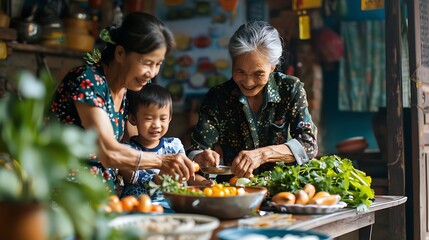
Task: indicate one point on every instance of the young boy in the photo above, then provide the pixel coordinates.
(151, 112)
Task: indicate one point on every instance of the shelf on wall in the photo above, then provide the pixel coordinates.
(51, 50)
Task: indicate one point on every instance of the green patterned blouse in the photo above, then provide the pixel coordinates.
(225, 118)
(88, 84)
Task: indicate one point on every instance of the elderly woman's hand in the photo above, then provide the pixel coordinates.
(179, 164)
(246, 161)
(207, 158)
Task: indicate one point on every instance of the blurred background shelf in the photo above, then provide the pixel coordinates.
(42, 49)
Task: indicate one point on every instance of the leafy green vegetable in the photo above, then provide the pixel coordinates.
(173, 185)
(329, 173)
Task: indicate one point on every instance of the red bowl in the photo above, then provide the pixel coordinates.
(352, 145)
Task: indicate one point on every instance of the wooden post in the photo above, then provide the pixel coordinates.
(395, 135)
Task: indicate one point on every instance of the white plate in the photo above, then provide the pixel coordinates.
(307, 209)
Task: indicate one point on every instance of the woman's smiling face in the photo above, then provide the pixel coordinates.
(251, 71)
(138, 68)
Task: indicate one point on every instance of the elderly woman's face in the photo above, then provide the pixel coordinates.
(251, 72)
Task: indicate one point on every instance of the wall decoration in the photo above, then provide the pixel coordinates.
(202, 30)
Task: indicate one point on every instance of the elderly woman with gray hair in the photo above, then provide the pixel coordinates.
(260, 116)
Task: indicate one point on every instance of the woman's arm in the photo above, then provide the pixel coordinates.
(303, 131)
(130, 130)
(116, 155)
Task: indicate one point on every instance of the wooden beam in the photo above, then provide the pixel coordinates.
(395, 135)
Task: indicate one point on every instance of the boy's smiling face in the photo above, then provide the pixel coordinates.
(152, 123)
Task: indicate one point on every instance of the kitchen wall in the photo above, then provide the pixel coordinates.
(334, 125)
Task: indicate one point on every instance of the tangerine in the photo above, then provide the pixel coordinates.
(128, 203)
(144, 203)
(116, 206)
(233, 180)
(157, 208)
(196, 166)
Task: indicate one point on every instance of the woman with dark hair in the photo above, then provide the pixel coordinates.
(260, 116)
(93, 96)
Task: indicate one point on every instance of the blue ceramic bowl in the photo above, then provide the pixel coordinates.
(239, 233)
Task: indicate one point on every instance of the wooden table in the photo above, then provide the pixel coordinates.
(338, 223)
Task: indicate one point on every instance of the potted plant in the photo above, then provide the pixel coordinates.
(42, 177)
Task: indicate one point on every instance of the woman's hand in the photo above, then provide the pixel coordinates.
(207, 158)
(179, 164)
(247, 161)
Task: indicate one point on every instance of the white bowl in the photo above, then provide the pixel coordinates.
(168, 226)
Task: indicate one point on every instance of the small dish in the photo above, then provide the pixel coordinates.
(307, 209)
(218, 170)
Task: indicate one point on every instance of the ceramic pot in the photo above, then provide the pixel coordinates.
(4, 20)
(22, 221)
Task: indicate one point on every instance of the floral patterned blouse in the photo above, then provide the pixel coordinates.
(225, 118)
(87, 84)
(167, 145)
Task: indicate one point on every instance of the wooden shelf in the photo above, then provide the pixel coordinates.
(49, 50)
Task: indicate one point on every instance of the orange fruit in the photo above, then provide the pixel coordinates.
(128, 203)
(208, 191)
(196, 166)
(115, 207)
(233, 180)
(232, 191)
(218, 192)
(226, 192)
(114, 198)
(157, 208)
(217, 186)
(107, 208)
(144, 203)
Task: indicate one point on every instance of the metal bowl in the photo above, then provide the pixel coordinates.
(218, 170)
(228, 207)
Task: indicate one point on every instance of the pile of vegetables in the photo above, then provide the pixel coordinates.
(329, 173)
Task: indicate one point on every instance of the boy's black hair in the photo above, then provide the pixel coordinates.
(151, 93)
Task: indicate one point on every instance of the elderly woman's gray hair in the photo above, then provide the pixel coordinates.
(257, 36)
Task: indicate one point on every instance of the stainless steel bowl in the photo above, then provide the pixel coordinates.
(228, 207)
(218, 170)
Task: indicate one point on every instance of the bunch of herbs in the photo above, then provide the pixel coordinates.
(329, 173)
